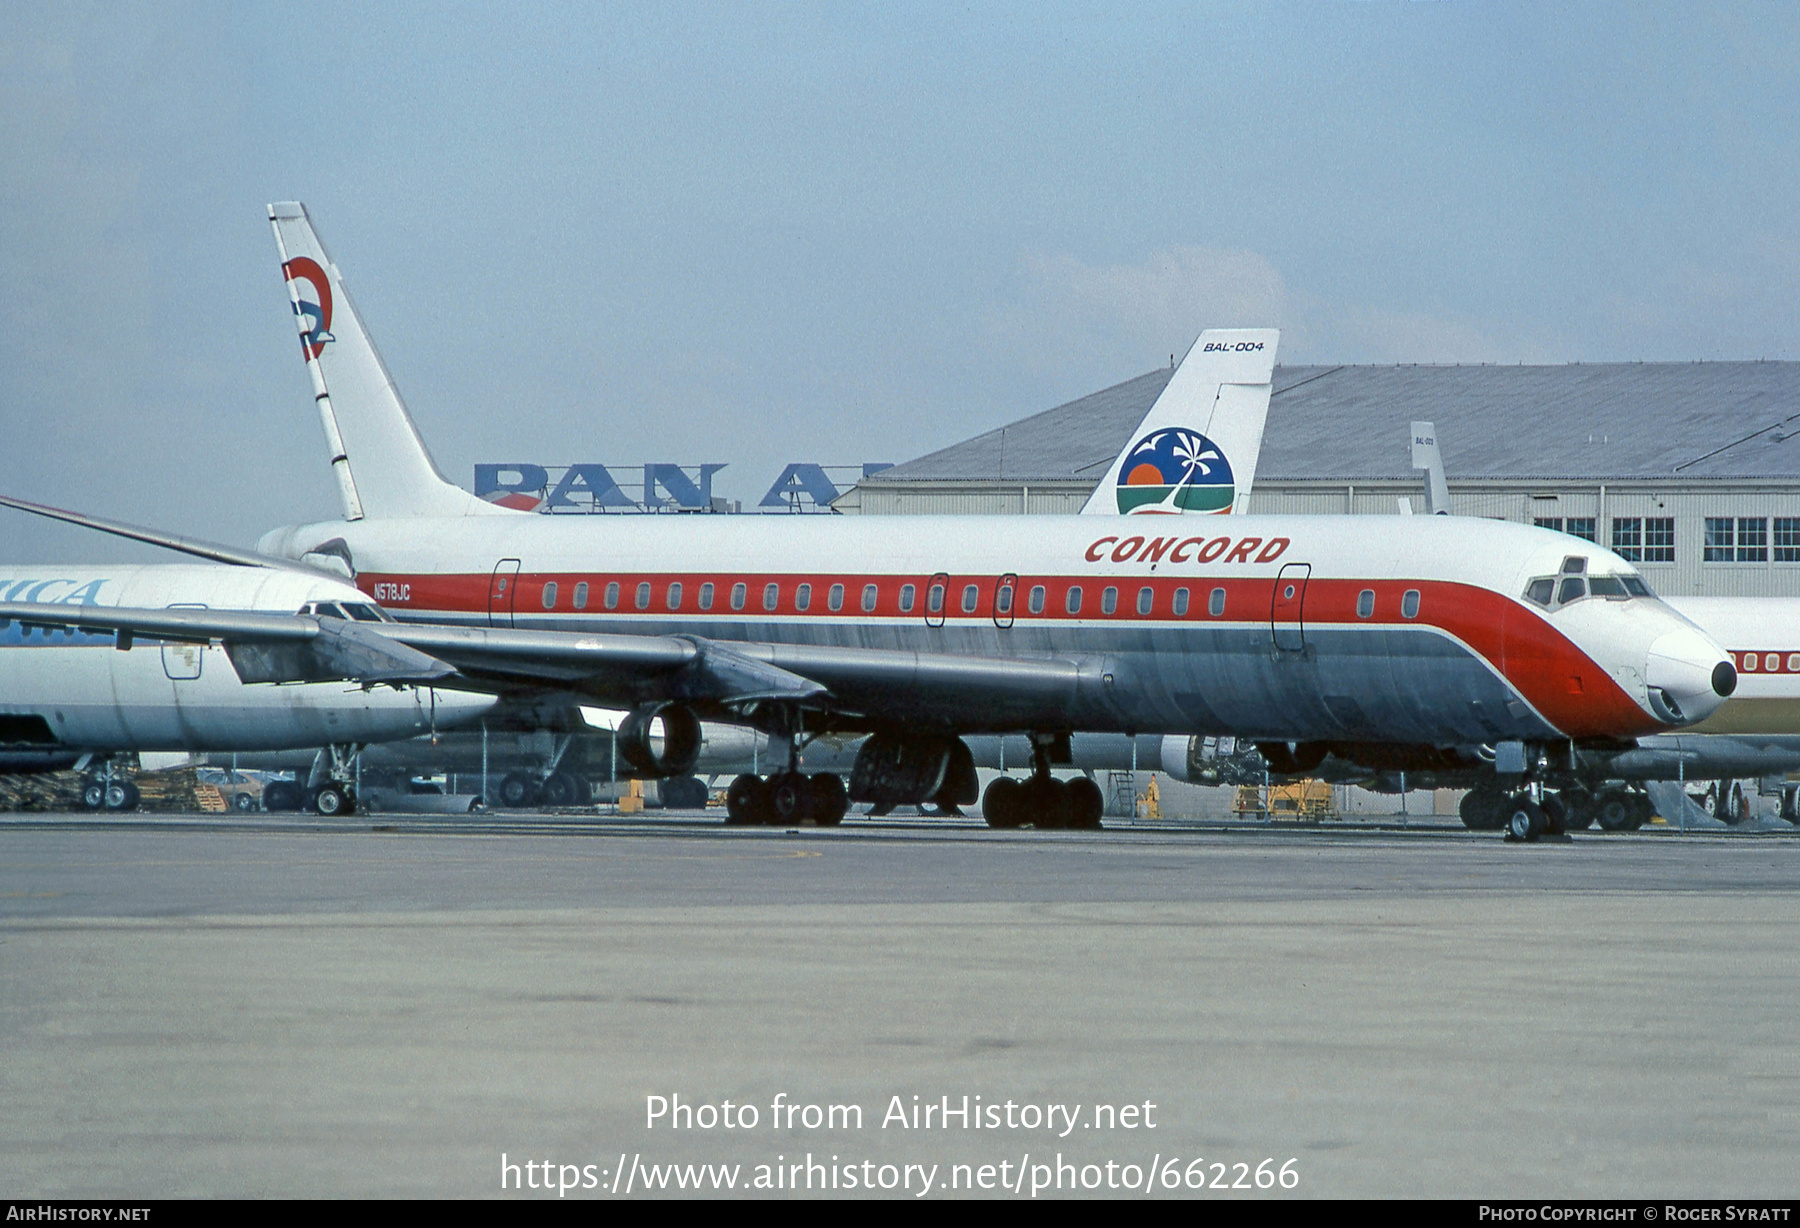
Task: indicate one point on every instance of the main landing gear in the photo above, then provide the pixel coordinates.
(1042, 800)
(787, 799)
(108, 788)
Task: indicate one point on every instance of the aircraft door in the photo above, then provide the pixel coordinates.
(936, 593)
(1004, 594)
(501, 590)
(1287, 620)
(182, 662)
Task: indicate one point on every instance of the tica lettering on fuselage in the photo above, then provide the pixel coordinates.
(1288, 627)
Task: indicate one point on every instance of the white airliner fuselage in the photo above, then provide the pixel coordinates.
(63, 687)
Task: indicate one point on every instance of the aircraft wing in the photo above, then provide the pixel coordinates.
(615, 669)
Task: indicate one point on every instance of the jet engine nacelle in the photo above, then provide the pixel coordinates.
(661, 741)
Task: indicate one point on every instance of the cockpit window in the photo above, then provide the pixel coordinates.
(1541, 591)
(365, 613)
(1573, 589)
(1607, 586)
(1553, 592)
(1635, 586)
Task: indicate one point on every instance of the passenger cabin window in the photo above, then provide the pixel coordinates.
(869, 595)
(1215, 604)
(908, 594)
(1574, 588)
(1109, 600)
(738, 594)
(1146, 600)
(643, 595)
(612, 595)
(835, 598)
(1072, 603)
(706, 595)
(581, 595)
(1036, 602)
(803, 597)
(1365, 603)
(1181, 603)
(771, 596)
(1003, 597)
(675, 596)
(971, 595)
(1409, 603)
(934, 600)
(550, 595)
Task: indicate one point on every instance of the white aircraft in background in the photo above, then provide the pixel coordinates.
(78, 698)
(1412, 636)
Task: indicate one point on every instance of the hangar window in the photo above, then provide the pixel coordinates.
(835, 599)
(1215, 604)
(803, 597)
(1409, 603)
(908, 594)
(738, 594)
(581, 594)
(971, 595)
(706, 595)
(1659, 539)
(1109, 600)
(675, 595)
(1787, 539)
(869, 595)
(1072, 603)
(1365, 603)
(643, 595)
(1146, 599)
(612, 595)
(1181, 603)
(1035, 603)
(1628, 537)
(1741, 539)
(771, 596)
(1580, 526)
(550, 595)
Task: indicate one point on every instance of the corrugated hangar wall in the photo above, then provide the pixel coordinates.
(1686, 468)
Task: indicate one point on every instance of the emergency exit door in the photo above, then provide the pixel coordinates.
(501, 590)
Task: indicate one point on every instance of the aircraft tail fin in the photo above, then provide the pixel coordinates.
(1196, 449)
(378, 458)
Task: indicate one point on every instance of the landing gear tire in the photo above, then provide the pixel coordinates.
(1614, 811)
(563, 789)
(685, 793)
(1046, 803)
(1578, 809)
(746, 801)
(93, 794)
(333, 799)
(790, 799)
(830, 799)
(1002, 804)
(1525, 822)
(1737, 807)
(281, 795)
(518, 790)
(1555, 815)
(1483, 810)
(121, 795)
(1086, 804)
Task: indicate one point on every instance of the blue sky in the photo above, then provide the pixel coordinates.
(765, 233)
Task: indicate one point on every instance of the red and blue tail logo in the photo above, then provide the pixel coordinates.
(312, 302)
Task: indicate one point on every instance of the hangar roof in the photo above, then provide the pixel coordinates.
(1594, 421)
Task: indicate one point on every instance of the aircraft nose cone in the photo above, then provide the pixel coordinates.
(1688, 676)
